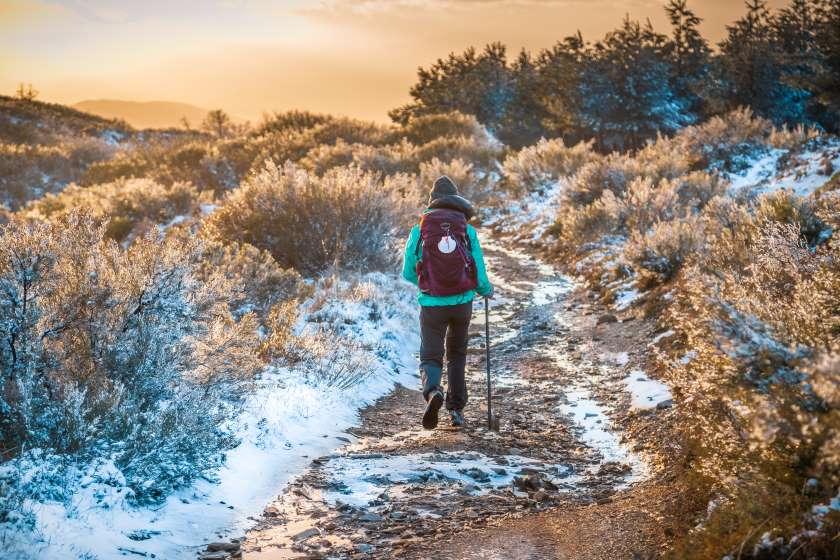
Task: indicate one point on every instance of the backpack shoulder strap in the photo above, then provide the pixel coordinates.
(419, 242)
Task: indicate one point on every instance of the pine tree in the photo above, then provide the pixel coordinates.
(827, 79)
(752, 64)
(479, 84)
(690, 55)
(557, 92)
(690, 51)
(798, 56)
(522, 122)
(625, 93)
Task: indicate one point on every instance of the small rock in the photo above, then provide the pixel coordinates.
(306, 534)
(665, 404)
(222, 546)
(370, 518)
(606, 318)
(364, 548)
(213, 556)
(476, 474)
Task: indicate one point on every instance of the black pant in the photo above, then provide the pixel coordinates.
(447, 323)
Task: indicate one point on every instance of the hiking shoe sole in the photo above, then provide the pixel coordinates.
(430, 417)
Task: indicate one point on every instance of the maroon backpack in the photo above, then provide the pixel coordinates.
(446, 266)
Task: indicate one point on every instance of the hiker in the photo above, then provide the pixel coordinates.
(444, 259)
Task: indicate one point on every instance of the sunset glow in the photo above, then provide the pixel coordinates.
(354, 57)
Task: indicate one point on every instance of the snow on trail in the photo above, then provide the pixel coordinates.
(288, 420)
(395, 484)
(291, 420)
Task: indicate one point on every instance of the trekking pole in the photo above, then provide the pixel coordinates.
(492, 424)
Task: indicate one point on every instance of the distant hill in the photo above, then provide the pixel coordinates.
(145, 114)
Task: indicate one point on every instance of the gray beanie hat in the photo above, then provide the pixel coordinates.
(443, 186)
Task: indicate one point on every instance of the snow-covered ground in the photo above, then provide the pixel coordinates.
(359, 480)
(528, 218)
(290, 419)
(646, 393)
(801, 173)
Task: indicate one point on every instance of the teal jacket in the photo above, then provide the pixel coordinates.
(409, 271)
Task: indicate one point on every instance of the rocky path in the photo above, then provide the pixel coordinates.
(555, 482)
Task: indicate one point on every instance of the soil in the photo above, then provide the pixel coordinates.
(575, 471)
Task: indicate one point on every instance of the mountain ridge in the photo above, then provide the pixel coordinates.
(147, 114)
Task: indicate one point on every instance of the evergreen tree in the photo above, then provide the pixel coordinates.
(523, 117)
(827, 79)
(477, 84)
(625, 93)
(690, 54)
(558, 90)
(798, 58)
(751, 61)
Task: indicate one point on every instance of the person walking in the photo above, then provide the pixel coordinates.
(443, 259)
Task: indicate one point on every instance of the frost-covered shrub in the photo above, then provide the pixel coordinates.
(125, 164)
(727, 142)
(426, 128)
(310, 223)
(351, 131)
(481, 152)
(758, 402)
(328, 359)
(290, 121)
(388, 160)
(578, 227)
(257, 283)
(648, 203)
(210, 165)
(536, 167)
(786, 207)
(126, 204)
(29, 171)
(615, 172)
(119, 353)
(658, 253)
(325, 156)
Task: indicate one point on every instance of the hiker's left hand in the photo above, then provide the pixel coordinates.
(489, 295)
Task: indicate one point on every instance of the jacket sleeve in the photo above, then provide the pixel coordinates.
(409, 269)
(483, 287)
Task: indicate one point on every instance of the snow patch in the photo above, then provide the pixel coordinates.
(289, 419)
(801, 173)
(359, 480)
(625, 298)
(646, 393)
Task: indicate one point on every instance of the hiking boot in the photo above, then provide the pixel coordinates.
(456, 418)
(430, 416)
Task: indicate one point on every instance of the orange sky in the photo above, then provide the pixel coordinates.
(353, 57)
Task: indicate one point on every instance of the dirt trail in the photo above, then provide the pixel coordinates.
(556, 481)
